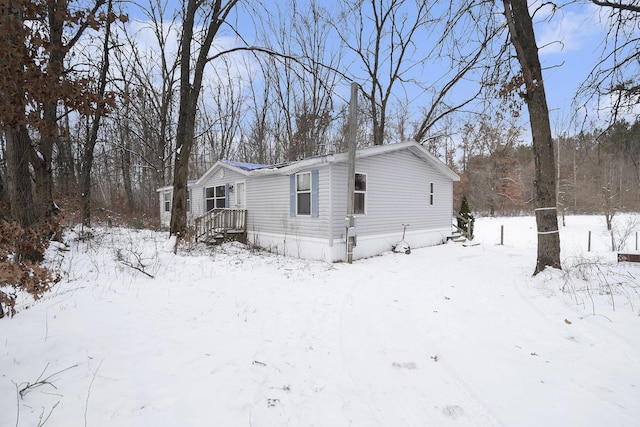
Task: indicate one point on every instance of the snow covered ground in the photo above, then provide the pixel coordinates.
(447, 336)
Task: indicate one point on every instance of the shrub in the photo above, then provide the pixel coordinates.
(21, 251)
(465, 218)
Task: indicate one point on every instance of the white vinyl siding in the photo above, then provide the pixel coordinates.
(269, 205)
(229, 179)
(398, 185)
(396, 188)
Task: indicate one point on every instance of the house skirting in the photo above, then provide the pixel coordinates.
(367, 246)
(291, 245)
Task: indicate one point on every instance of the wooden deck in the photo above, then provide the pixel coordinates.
(222, 225)
(629, 257)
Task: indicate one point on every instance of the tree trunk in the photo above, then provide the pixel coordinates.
(125, 162)
(185, 128)
(19, 177)
(87, 155)
(65, 164)
(189, 92)
(184, 141)
(85, 182)
(41, 156)
(524, 41)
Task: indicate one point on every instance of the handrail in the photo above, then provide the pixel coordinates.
(220, 220)
(468, 233)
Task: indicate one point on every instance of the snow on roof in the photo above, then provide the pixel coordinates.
(246, 166)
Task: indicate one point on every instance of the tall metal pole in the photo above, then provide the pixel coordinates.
(351, 174)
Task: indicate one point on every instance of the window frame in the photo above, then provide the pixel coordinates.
(215, 198)
(302, 192)
(166, 201)
(431, 193)
(362, 192)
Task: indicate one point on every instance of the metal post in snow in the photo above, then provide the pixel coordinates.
(351, 173)
(589, 242)
(501, 235)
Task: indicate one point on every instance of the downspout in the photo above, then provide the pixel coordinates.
(330, 193)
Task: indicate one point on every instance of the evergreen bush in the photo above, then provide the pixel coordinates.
(465, 218)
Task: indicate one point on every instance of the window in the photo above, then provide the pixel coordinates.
(359, 201)
(167, 201)
(431, 193)
(216, 197)
(303, 193)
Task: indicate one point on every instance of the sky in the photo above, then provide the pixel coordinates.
(570, 41)
(570, 44)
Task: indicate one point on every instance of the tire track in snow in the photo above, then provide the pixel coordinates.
(386, 366)
(349, 297)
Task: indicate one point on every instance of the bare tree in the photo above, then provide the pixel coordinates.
(464, 37)
(382, 36)
(147, 86)
(145, 81)
(314, 113)
(614, 81)
(523, 39)
(64, 159)
(491, 169)
(214, 15)
(41, 38)
(222, 112)
(100, 111)
(255, 145)
(302, 78)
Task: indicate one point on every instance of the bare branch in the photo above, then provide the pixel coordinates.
(618, 5)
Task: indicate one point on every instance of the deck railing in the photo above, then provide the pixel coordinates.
(463, 225)
(221, 221)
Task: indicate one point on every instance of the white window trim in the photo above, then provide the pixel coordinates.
(166, 201)
(431, 194)
(366, 180)
(215, 198)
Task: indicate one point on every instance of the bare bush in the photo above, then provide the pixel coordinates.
(21, 251)
(587, 279)
(621, 231)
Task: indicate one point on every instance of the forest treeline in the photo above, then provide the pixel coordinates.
(91, 100)
(598, 172)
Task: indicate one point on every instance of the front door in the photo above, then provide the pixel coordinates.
(240, 198)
